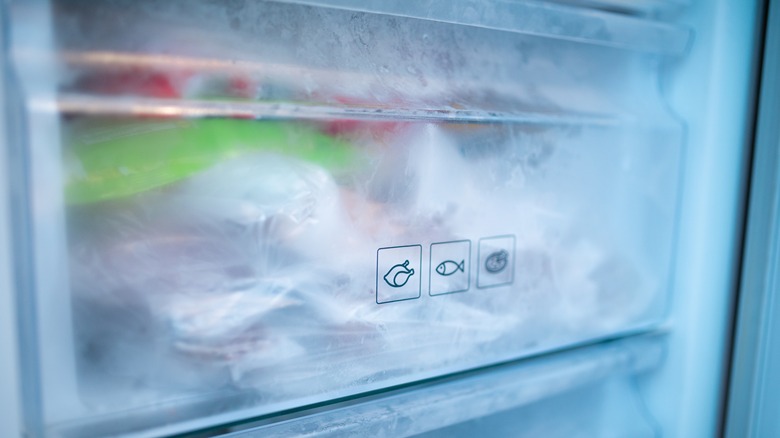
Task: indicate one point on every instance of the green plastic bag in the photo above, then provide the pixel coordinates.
(112, 159)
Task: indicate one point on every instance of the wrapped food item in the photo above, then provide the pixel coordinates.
(206, 260)
(253, 263)
(262, 266)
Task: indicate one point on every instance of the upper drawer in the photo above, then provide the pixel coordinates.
(472, 60)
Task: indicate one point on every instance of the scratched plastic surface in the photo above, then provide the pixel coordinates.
(268, 205)
(611, 409)
(586, 391)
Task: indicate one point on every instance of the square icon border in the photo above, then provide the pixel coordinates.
(376, 286)
(430, 268)
(479, 260)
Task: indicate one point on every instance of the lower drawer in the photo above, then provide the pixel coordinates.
(222, 269)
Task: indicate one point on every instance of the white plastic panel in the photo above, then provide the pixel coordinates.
(263, 208)
(541, 18)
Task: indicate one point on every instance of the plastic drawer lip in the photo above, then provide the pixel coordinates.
(421, 108)
(631, 7)
(628, 353)
(83, 104)
(507, 82)
(478, 394)
(550, 20)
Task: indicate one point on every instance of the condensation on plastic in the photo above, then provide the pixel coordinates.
(611, 409)
(259, 273)
(341, 59)
(249, 287)
(658, 10)
(542, 18)
(571, 394)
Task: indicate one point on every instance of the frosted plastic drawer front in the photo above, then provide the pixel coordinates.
(232, 212)
(586, 392)
(395, 251)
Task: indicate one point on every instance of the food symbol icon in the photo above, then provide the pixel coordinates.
(399, 274)
(449, 267)
(496, 261)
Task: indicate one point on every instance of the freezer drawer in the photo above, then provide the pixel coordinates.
(235, 210)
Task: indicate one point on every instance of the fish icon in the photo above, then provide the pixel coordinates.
(496, 261)
(449, 267)
(399, 274)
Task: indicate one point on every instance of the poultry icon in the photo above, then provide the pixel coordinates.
(399, 274)
(449, 267)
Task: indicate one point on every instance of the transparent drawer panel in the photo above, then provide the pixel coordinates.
(326, 262)
(238, 211)
(586, 392)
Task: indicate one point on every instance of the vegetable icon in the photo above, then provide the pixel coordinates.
(496, 261)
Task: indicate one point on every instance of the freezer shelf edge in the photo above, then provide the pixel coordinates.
(497, 389)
